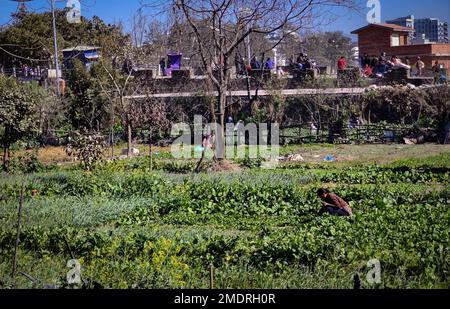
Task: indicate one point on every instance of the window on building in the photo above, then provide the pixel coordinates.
(395, 40)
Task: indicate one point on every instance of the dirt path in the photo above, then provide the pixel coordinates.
(379, 154)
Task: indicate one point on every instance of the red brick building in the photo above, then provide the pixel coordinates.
(373, 39)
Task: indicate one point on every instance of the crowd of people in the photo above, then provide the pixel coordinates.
(242, 68)
(303, 63)
(378, 66)
(256, 65)
(370, 66)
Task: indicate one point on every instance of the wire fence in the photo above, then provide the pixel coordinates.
(347, 134)
(291, 134)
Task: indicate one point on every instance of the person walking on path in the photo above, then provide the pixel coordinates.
(420, 65)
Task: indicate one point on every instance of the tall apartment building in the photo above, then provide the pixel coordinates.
(407, 21)
(433, 29)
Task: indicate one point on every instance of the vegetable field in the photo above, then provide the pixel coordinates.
(130, 227)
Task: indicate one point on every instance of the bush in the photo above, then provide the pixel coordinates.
(88, 148)
(28, 163)
(250, 163)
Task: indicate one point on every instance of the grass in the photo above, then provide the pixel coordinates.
(55, 155)
(313, 153)
(360, 154)
(135, 228)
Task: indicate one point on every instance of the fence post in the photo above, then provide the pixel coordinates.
(16, 247)
(356, 282)
(151, 152)
(211, 276)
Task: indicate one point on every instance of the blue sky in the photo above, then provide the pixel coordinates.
(121, 10)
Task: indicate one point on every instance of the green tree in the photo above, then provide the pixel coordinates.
(327, 47)
(29, 39)
(87, 106)
(18, 104)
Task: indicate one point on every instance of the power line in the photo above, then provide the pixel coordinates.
(55, 42)
(10, 19)
(21, 6)
(23, 47)
(23, 58)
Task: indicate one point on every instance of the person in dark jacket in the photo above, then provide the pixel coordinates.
(162, 65)
(333, 204)
(374, 63)
(382, 63)
(365, 60)
(255, 64)
(269, 64)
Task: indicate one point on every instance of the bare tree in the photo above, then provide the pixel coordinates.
(221, 26)
(145, 41)
(116, 94)
(156, 38)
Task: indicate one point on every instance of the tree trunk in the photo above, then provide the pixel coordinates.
(269, 133)
(6, 145)
(151, 150)
(129, 139)
(213, 111)
(199, 163)
(220, 134)
(5, 157)
(247, 79)
(112, 129)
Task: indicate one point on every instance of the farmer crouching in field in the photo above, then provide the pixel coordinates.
(333, 204)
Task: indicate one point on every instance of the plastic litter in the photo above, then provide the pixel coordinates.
(329, 158)
(198, 148)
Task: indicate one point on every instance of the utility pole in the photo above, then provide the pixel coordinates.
(55, 43)
(22, 7)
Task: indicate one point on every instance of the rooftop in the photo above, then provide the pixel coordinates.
(81, 48)
(403, 18)
(392, 27)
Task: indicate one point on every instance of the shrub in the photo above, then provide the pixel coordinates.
(88, 148)
(28, 163)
